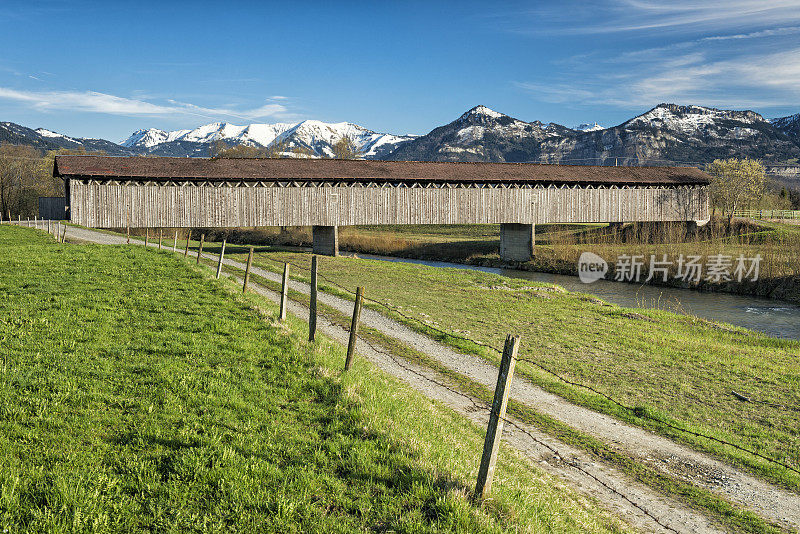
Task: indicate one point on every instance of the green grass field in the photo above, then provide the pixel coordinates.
(138, 394)
(676, 368)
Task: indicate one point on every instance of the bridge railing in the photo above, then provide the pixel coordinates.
(768, 214)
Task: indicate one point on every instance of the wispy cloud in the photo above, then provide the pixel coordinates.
(790, 30)
(758, 80)
(682, 15)
(703, 58)
(95, 102)
(624, 19)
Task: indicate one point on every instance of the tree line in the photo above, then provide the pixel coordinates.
(26, 173)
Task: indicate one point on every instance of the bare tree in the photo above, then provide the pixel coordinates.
(736, 183)
(277, 149)
(19, 169)
(345, 148)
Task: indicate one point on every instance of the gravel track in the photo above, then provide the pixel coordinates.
(774, 503)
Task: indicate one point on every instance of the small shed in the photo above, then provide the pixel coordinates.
(53, 208)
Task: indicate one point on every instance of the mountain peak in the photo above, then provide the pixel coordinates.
(588, 127)
(481, 111)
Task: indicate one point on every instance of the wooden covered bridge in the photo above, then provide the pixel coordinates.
(136, 192)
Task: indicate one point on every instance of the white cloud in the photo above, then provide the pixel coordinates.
(95, 102)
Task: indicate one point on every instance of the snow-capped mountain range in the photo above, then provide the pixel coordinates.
(315, 137)
(666, 134)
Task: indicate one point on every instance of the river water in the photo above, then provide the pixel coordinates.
(774, 318)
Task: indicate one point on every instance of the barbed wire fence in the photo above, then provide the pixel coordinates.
(494, 411)
(633, 410)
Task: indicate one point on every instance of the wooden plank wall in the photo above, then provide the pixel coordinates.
(52, 208)
(105, 206)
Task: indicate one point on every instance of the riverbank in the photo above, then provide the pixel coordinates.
(774, 318)
(559, 247)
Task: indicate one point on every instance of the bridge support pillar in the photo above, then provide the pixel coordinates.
(516, 242)
(325, 240)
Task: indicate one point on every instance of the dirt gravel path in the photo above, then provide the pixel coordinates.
(774, 503)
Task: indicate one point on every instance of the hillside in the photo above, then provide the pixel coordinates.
(789, 125)
(44, 139)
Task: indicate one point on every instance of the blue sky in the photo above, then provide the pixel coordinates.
(105, 69)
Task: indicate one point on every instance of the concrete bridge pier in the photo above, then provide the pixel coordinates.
(516, 242)
(325, 240)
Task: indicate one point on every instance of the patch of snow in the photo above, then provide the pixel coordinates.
(471, 133)
(691, 119)
(51, 134)
(481, 111)
(588, 127)
(47, 133)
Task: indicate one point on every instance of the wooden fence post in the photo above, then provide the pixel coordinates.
(160, 236)
(351, 344)
(312, 305)
(188, 238)
(49, 227)
(221, 255)
(64, 234)
(200, 248)
(128, 234)
(146, 237)
(247, 270)
(494, 430)
(175, 243)
(284, 292)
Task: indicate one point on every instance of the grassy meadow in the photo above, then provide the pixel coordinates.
(139, 394)
(677, 368)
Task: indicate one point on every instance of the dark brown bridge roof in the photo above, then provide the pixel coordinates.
(156, 168)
